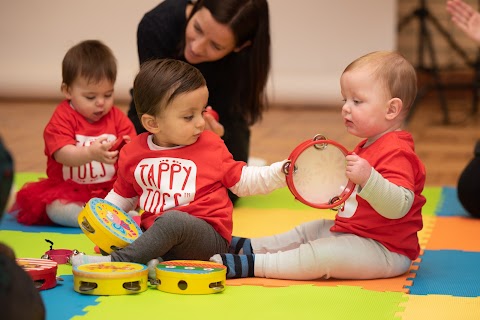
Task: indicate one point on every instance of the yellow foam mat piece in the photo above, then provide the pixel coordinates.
(254, 222)
(425, 234)
(440, 307)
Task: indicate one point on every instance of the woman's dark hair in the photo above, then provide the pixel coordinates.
(6, 176)
(249, 21)
(159, 81)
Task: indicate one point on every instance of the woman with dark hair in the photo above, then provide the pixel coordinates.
(467, 186)
(229, 42)
(467, 19)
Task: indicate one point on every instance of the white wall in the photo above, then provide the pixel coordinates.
(312, 41)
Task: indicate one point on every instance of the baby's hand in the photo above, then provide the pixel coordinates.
(99, 151)
(358, 169)
(120, 142)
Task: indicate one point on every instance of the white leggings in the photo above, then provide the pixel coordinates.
(310, 251)
(64, 214)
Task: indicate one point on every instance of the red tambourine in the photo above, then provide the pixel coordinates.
(119, 143)
(43, 272)
(318, 177)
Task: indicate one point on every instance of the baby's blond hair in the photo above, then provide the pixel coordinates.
(397, 74)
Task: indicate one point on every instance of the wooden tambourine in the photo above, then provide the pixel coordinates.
(110, 278)
(43, 272)
(108, 226)
(190, 277)
(315, 173)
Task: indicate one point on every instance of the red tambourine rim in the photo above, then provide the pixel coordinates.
(289, 176)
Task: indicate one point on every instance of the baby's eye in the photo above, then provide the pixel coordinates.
(90, 98)
(356, 101)
(188, 118)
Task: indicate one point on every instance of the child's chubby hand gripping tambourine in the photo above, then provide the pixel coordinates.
(108, 226)
(315, 173)
(190, 277)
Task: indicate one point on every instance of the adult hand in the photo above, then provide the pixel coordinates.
(465, 18)
(212, 124)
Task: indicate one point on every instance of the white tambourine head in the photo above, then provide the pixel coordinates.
(320, 174)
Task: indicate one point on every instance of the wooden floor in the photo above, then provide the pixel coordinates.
(445, 149)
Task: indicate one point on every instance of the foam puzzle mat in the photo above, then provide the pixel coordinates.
(443, 283)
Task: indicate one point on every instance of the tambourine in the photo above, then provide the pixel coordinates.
(43, 272)
(60, 256)
(110, 278)
(190, 277)
(108, 226)
(315, 173)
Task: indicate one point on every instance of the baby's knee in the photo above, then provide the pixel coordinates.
(174, 215)
(64, 214)
(174, 219)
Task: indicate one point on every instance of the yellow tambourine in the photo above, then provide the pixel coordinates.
(110, 278)
(108, 226)
(190, 277)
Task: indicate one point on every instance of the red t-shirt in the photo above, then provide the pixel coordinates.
(67, 126)
(393, 156)
(193, 179)
(71, 184)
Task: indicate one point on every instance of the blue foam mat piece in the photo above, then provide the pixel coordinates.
(63, 293)
(450, 206)
(447, 272)
(10, 223)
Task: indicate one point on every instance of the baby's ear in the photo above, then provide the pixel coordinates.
(149, 123)
(65, 91)
(395, 107)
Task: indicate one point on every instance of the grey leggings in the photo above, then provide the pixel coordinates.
(174, 235)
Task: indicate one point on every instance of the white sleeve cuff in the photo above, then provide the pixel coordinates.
(260, 180)
(126, 204)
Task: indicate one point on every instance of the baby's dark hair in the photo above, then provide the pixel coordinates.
(159, 81)
(90, 59)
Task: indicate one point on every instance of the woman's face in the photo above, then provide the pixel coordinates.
(206, 39)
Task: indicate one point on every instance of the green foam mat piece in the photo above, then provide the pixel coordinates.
(433, 196)
(283, 198)
(280, 198)
(33, 245)
(23, 177)
(255, 302)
